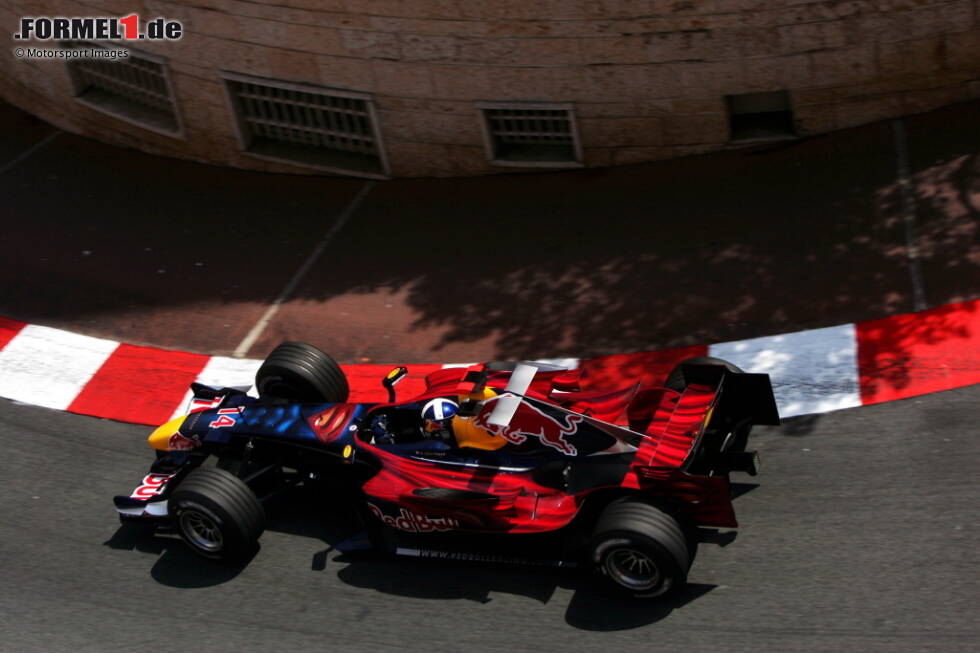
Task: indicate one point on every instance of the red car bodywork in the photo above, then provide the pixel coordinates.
(631, 440)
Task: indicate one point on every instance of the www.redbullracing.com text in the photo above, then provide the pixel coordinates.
(101, 28)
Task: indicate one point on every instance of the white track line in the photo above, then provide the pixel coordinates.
(29, 151)
(908, 214)
(263, 322)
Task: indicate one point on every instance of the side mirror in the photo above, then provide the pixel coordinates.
(393, 377)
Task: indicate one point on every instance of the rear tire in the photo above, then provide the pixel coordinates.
(296, 371)
(217, 515)
(640, 550)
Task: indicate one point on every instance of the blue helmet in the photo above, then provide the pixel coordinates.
(437, 413)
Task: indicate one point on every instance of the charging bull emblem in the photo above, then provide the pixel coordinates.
(529, 421)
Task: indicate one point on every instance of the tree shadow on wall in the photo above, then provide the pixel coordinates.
(654, 256)
(947, 200)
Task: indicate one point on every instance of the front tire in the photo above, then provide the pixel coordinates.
(640, 550)
(297, 371)
(217, 515)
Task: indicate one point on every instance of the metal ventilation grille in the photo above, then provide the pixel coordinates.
(331, 130)
(531, 134)
(135, 88)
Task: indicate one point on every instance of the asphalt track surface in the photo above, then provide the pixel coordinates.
(861, 534)
(771, 239)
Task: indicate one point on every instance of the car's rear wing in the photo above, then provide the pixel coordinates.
(745, 395)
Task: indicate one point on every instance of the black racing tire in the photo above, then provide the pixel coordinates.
(675, 380)
(297, 371)
(217, 515)
(640, 550)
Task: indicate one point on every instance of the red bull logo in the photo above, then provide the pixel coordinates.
(529, 421)
(179, 442)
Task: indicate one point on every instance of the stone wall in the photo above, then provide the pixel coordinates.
(647, 78)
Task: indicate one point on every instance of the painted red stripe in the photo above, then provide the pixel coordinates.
(648, 367)
(907, 355)
(8, 330)
(365, 382)
(142, 385)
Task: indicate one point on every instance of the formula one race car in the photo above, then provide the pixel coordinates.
(624, 477)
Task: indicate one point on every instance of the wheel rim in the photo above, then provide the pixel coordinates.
(201, 530)
(632, 569)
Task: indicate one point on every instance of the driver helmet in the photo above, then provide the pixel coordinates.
(437, 414)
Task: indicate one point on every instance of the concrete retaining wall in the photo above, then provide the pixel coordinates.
(647, 78)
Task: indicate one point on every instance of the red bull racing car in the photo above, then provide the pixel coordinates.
(622, 478)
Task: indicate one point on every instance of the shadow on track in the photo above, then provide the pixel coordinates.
(592, 607)
(800, 425)
(445, 580)
(176, 565)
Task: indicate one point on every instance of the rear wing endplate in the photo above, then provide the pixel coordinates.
(749, 395)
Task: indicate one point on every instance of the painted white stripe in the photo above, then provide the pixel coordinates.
(907, 195)
(811, 371)
(223, 372)
(49, 367)
(287, 291)
(29, 151)
(184, 407)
